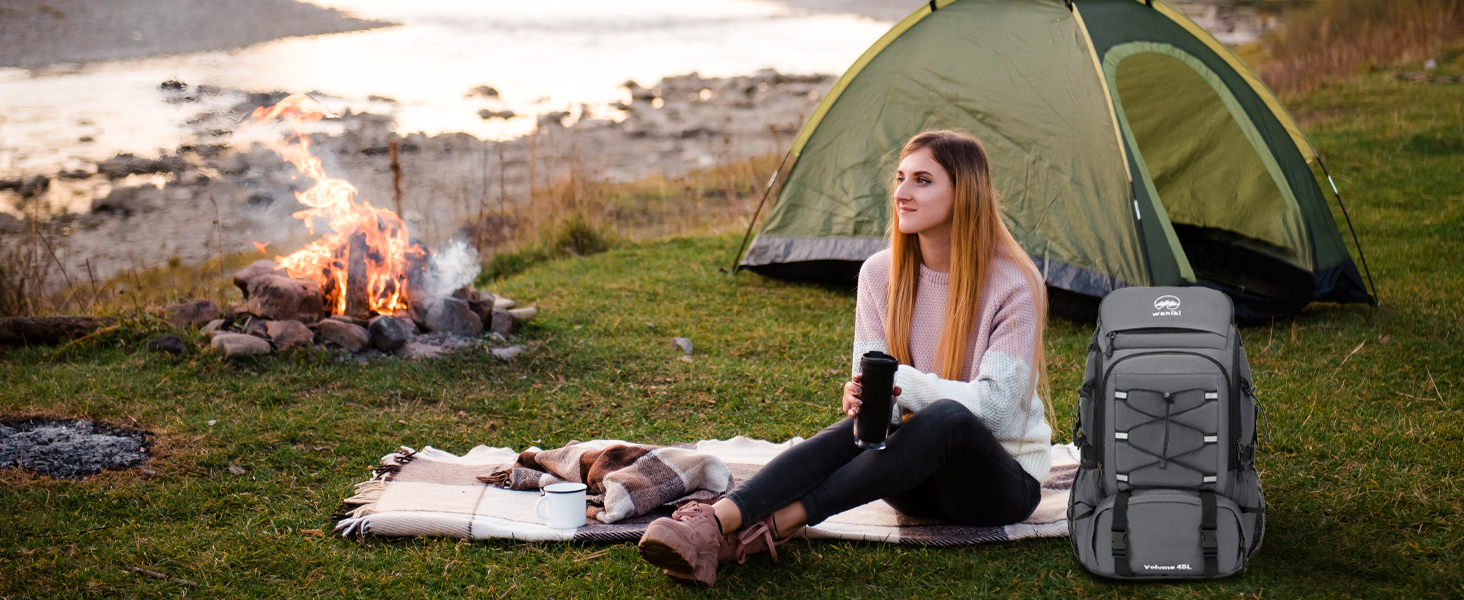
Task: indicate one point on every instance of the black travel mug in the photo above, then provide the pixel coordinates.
(872, 425)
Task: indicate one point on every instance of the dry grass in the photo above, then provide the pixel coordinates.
(1333, 40)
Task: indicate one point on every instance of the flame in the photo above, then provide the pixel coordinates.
(378, 237)
(260, 246)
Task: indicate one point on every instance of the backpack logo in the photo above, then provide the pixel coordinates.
(1166, 306)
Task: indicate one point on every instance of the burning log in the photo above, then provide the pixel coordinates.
(358, 301)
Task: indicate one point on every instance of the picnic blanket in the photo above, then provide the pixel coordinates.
(435, 493)
(624, 480)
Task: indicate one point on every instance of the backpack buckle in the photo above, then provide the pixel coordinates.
(1209, 542)
(1246, 454)
(1120, 544)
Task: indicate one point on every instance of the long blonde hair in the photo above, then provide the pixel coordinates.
(978, 236)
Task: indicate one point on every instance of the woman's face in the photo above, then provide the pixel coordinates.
(924, 193)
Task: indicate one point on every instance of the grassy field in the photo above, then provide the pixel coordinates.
(1362, 475)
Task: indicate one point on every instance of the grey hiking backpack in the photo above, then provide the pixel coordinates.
(1166, 487)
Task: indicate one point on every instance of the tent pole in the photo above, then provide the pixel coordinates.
(1377, 299)
(737, 260)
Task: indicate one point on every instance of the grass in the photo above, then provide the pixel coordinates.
(1362, 475)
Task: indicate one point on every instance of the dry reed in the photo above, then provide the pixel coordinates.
(1333, 40)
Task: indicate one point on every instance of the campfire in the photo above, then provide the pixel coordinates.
(363, 284)
(361, 266)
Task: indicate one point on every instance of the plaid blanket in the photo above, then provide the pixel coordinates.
(624, 480)
(432, 492)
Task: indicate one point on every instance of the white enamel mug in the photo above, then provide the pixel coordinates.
(566, 505)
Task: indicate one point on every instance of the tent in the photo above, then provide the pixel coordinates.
(1128, 145)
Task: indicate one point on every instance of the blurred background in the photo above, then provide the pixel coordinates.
(128, 178)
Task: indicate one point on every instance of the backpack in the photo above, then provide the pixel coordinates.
(1166, 487)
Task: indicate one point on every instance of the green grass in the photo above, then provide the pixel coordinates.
(1362, 473)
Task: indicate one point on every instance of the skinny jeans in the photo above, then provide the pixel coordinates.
(943, 463)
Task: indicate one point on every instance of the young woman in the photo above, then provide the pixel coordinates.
(962, 307)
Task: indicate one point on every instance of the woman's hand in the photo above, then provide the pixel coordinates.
(852, 390)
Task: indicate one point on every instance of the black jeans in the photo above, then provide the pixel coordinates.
(941, 464)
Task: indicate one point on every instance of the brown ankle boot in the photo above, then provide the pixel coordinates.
(686, 545)
(738, 545)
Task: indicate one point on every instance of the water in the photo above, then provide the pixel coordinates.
(540, 56)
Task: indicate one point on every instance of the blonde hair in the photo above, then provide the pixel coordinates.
(978, 236)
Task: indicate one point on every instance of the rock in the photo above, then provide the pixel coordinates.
(507, 353)
(448, 315)
(389, 333)
(281, 298)
(682, 344)
(465, 293)
(504, 322)
(170, 343)
(238, 344)
(484, 91)
(353, 338)
(349, 319)
(128, 201)
(247, 274)
(212, 326)
(504, 303)
(486, 114)
(10, 224)
(258, 328)
(420, 350)
(192, 314)
(290, 334)
(484, 310)
(524, 314)
(123, 165)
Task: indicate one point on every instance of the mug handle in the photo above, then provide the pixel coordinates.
(540, 503)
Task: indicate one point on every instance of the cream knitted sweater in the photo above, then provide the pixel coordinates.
(996, 383)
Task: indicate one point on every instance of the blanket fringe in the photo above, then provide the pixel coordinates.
(500, 478)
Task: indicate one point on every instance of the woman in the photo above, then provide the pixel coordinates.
(962, 307)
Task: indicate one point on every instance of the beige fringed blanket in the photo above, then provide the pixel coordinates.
(432, 492)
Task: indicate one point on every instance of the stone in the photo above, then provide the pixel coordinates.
(290, 334)
(524, 314)
(504, 303)
(212, 326)
(682, 344)
(127, 201)
(420, 350)
(281, 298)
(504, 322)
(238, 344)
(465, 293)
(170, 343)
(354, 338)
(389, 333)
(448, 315)
(484, 310)
(247, 274)
(349, 319)
(507, 353)
(192, 314)
(258, 328)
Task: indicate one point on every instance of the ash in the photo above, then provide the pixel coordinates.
(69, 449)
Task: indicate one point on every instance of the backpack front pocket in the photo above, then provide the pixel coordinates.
(1162, 534)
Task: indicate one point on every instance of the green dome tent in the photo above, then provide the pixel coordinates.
(1128, 145)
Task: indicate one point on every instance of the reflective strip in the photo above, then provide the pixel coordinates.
(1209, 479)
(1120, 395)
(1120, 435)
(1121, 477)
(1210, 439)
(1212, 395)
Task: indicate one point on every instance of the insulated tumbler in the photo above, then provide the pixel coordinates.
(872, 425)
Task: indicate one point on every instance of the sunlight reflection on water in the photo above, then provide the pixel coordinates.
(540, 56)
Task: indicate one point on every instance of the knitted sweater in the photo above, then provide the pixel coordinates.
(995, 383)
